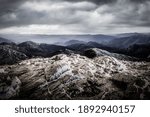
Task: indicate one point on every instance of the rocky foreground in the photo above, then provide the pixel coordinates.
(75, 77)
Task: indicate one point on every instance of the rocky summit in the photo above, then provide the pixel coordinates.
(75, 77)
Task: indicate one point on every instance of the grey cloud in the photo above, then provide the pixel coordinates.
(25, 16)
(94, 1)
(70, 14)
(139, 1)
(130, 15)
(101, 2)
(9, 5)
(126, 13)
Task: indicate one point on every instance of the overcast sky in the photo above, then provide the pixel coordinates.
(74, 16)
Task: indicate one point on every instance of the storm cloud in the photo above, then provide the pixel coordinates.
(94, 1)
(74, 16)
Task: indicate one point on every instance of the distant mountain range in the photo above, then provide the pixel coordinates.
(4, 40)
(57, 39)
(130, 44)
(119, 40)
(11, 53)
(125, 42)
(27, 50)
(71, 42)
